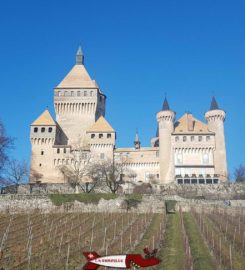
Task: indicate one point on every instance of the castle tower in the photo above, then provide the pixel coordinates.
(215, 118)
(165, 119)
(78, 102)
(44, 134)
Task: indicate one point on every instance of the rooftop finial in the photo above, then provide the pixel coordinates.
(214, 104)
(137, 140)
(79, 56)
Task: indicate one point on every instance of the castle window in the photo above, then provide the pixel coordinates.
(92, 136)
(72, 93)
(208, 138)
(78, 93)
(100, 135)
(40, 165)
(58, 150)
(50, 129)
(66, 94)
(199, 138)
(42, 153)
(192, 138)
(157, 153)
(184, 138)
(91, 93)
(43, 129)
(35, 129)
(85, 93)
(64, 150)
(109, 136)
(102, 155)
(177, 138)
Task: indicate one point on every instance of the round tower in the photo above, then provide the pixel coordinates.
(165, 119)
(215, 118)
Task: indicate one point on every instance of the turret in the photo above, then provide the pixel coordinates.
(215, 118)
(165, 119)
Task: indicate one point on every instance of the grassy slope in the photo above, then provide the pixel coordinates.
(172, 252)
(59, 199)
(202, 258)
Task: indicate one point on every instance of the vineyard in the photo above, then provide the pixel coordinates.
(204, 238)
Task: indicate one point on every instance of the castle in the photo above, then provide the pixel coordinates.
(184, 151)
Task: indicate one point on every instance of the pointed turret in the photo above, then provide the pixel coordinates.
(165, 106)
(79, 56)
(214, 104)
(137, 141)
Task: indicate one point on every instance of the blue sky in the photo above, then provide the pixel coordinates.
(136, 51)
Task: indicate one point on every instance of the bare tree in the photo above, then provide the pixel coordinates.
(80, 171)
(112, 173)
(17, 171)
(240, 174)
(6, 143)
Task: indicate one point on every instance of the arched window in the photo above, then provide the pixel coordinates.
(100, 135)
(92, 136)
(108, 135)
(43, 129)
(177, 138)
(192, 138)
(42, 152)
(78, 93)
(85, 93)
(91, 93)
(199, 138)
(184, 138)
(66, 94)
(50, 129)
(208, 138)
(35, 129)
(58, 150)
(72, 93)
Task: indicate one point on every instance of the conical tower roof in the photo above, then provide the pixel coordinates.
(45, 119)
(165, 106)
(214, 104)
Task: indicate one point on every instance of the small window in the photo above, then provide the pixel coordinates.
(59, 94)
(184, 138)
(199, 138)
(92, 136)
(42, 153)
(100, 135)
(102, 156)
(66, 94)
(157, 153)
(64, 150)
(85, 93)
(192, 138)
(43, 129)
(208, 138)
(50, 129)
(58, 150)
(108, 136)
(72, 93)
(40, 164)
(177, 138)
(35, 129)
(78, 93)
(91, 93)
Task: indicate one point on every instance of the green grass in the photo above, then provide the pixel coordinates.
(172, 252)
(202, 258)
(59, 199)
